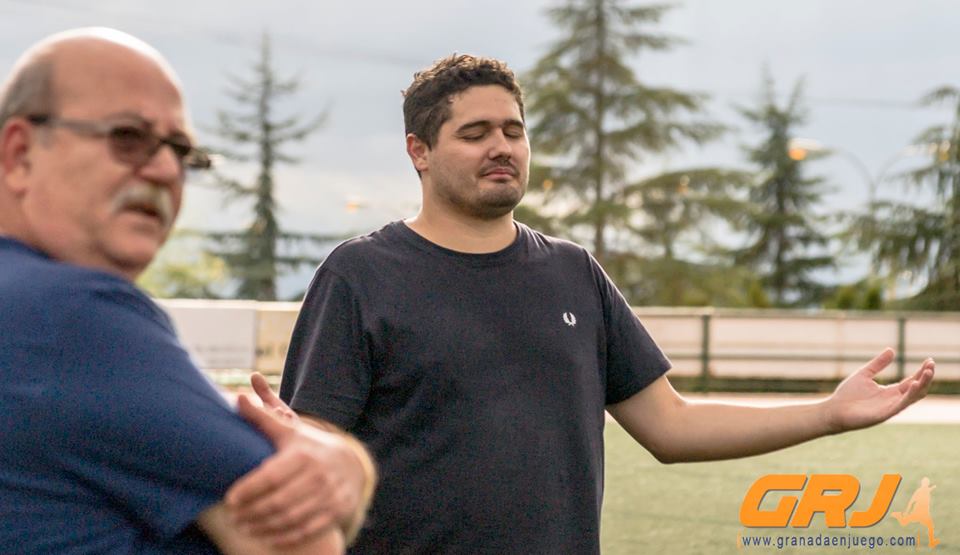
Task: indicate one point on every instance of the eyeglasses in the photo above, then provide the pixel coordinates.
(131, 143)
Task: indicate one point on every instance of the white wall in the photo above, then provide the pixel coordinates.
(773, 343)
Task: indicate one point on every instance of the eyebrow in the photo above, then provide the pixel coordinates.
(150, 123)
(128, 115)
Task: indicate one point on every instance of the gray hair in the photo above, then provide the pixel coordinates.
(29, 90)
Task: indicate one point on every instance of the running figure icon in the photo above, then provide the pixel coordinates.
(918, 510)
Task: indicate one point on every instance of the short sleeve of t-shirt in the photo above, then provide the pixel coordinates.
(328, 371)
(633, 358)
(133, 421)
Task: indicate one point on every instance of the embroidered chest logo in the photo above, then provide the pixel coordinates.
(569, 319)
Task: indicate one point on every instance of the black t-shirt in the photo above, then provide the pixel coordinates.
(479, 383)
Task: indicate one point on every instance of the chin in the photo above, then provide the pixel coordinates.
(132, 259)
(493, 212)
(499, 206)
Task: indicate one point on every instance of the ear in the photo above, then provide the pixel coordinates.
(417, 150)
(16, 138)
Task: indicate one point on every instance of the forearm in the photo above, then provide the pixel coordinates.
(676, 430)
(701, 431)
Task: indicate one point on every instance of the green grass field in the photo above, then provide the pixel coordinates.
(694, 508)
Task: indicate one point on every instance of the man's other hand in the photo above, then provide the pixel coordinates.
(314, 481)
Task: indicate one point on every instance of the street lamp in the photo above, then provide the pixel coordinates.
(798, 148)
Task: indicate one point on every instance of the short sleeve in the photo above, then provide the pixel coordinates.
(327, 372)
(633, 358)
(133, 420)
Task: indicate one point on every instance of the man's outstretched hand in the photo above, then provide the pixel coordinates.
(859, 401)
(315, 480)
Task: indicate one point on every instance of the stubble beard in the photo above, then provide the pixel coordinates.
(466, 199)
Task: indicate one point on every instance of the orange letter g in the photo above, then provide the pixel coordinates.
(750, 513)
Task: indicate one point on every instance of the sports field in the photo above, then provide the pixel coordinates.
(694, 508)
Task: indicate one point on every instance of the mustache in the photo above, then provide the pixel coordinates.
(500, 165)
(146, 197)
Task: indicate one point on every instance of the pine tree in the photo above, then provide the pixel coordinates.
(593, 124)
(674, 218)
(786, 246)
(254, 255)
(593, 118)
(924, 239)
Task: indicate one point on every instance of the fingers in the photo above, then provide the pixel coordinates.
(288, 499)
(878, 363)
(915, 391)
(927, 368)
(288, 505)
(270, 399)
(263, 419)
(263, 390)
(297, 522)
(313, 482)
(331, 539)
(915, 387)
(924, 379)
(270, 475)
(296, 515)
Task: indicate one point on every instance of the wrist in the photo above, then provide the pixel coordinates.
(829, 422)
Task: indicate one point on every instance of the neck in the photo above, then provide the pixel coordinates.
(462, 234)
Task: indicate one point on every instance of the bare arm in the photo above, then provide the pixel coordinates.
(676, 430)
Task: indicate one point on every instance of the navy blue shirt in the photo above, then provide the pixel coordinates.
(479, 381)
(112, 441)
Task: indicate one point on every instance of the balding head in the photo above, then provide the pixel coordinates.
(69, 185)
(30, 88)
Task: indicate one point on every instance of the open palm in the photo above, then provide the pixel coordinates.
(859, 401)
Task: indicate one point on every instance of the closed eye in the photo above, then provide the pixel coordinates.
(514, 131)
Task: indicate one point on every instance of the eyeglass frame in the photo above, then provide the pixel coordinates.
(188, 156)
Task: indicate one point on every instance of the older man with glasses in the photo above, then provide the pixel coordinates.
(113, 441)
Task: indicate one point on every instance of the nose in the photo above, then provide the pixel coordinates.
(164, 167)
(500, 147)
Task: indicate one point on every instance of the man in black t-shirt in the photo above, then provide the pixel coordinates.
(476, 356)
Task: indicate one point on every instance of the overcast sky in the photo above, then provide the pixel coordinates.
(865, 63)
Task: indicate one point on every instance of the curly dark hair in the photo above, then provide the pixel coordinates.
(426, 103)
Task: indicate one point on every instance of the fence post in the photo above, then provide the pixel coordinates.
(705, 352)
